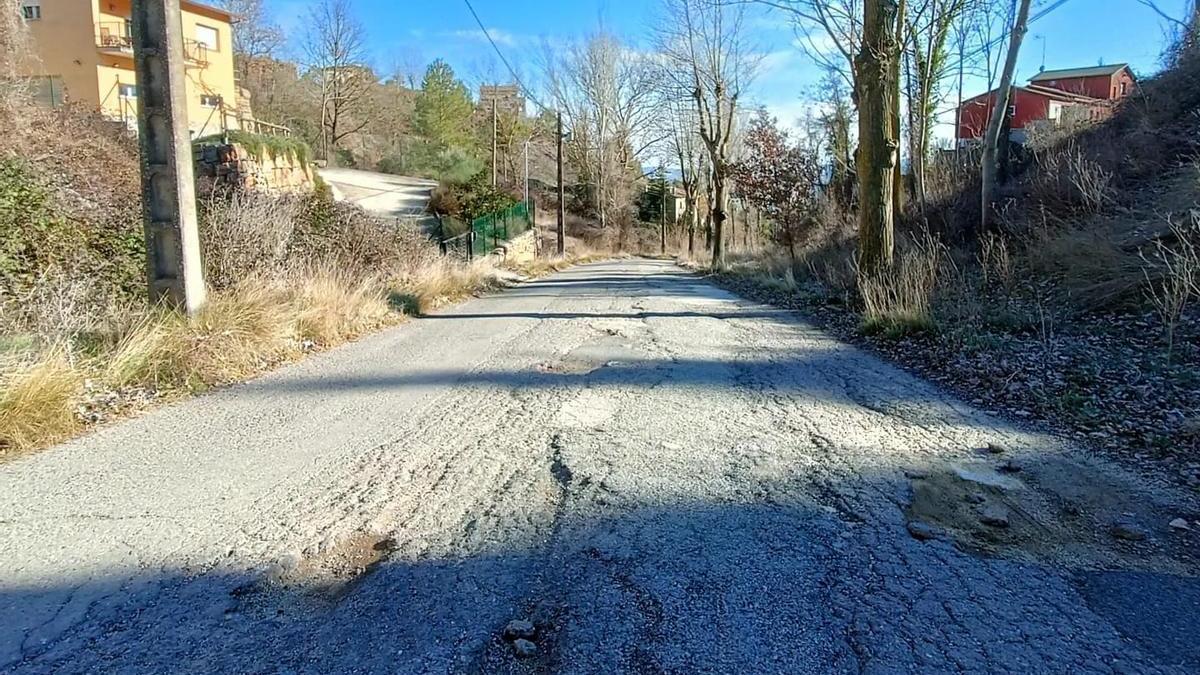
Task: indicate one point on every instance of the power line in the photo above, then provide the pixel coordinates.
(504, 60)
(1039, 15)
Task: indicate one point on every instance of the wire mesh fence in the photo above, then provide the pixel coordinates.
(486, 233)
(461, 246)
(496, 228)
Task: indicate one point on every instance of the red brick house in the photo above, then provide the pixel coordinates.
(1084, 92)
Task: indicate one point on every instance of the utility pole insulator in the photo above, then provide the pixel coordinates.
(173, 264)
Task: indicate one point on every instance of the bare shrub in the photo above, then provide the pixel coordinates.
(995, 262)
(1067, 179)
(246, 233)
(899, 301)
(1178, 271)
(1090, 268)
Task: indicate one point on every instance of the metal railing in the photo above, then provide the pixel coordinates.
(114, 35)
(195, 51)
(461, 246)
(118, 36)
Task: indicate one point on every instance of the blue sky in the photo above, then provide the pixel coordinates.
(410, 33)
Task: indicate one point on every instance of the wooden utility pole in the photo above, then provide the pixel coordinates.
(168, 185)
(562, 205)
(495, 156)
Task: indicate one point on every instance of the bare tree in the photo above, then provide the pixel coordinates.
(255, 35)
(684, 147)
(1000, 111)
(336, 54)
(1185, 32)
(608, 97)
(704, 42)
(929, 26)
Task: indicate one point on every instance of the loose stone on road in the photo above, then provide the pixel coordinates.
(617, 468)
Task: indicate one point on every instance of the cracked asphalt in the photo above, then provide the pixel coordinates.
(662, 477)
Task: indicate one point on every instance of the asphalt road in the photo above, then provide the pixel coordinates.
(660, 476)
(381, 193)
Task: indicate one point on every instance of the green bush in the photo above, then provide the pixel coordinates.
(478, 197)
(425, 160)
(35, 237)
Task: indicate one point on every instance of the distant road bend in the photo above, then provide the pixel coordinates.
(658, 475)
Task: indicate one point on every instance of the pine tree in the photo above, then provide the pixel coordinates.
(443, 108)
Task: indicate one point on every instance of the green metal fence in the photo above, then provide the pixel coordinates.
(494, 229)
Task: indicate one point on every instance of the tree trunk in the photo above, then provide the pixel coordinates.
(691, 227)
(898, 191)
(718, 220)
(1003, 96)
(878, 148)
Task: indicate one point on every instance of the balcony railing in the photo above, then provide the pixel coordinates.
(117, 36)
(196, 52)
(114, 35)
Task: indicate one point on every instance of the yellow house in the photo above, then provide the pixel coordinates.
(85, 51)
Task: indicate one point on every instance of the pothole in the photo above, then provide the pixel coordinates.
(323, 578)
(568, 367)
(1052, 510)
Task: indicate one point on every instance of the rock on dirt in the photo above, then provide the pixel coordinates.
(921, 531)
(996, 448)
(519, 629)
(524, 648)
(1009, 467)
(1127, 530)
(994, 515)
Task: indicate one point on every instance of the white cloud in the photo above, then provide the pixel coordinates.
(499, 36)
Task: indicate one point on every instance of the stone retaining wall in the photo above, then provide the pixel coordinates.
(522, 248)
(233, 164)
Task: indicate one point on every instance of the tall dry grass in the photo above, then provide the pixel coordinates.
(244, 330)
(37, 402)
(899, 301)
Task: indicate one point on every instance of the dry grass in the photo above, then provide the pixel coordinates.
(1179, 269)
(899, 301)
(1090, 269)
(37, 403)
(442, 282)
(244, 330)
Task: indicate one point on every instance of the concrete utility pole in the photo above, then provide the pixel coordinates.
(495, 157)
(562, 209)
(168, 184)
(662, 216)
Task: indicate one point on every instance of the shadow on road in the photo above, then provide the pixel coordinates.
(774, 583)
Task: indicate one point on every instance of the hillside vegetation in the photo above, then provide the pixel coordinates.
(79, 344)
(1079, 306)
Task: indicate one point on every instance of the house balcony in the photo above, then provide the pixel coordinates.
(116, 38)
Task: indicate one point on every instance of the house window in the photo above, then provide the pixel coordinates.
(1012, 110)
(210, 101)
(127, 90)
(1124, 88)
(207, 36)
(31, 10)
